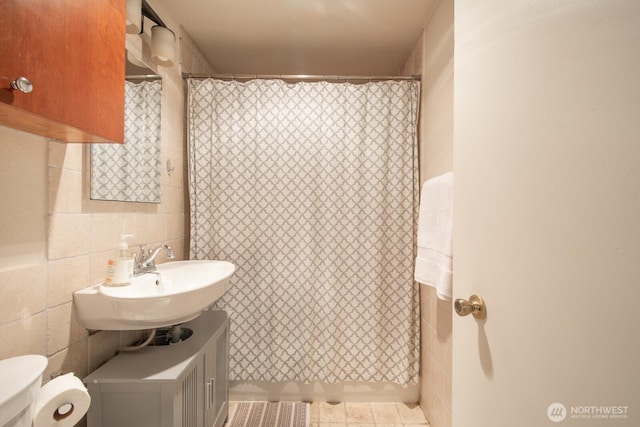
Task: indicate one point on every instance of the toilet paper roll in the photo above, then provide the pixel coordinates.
(62, 402)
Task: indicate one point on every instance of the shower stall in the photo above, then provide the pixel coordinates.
(310, 189)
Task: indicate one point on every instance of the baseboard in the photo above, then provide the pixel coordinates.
(323, 392)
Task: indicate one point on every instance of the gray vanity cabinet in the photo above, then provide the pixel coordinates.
(184, 384)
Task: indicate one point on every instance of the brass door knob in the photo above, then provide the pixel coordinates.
(474, 306)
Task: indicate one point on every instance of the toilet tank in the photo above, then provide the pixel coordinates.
(21, 378)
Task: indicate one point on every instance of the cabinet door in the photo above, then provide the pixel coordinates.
(216, 377)
(221, 386)
(191, 399)
(210, 383)
(73, 53)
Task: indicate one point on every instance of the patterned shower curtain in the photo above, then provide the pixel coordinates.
(311, 190)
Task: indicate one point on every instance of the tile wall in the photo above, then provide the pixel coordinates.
(55, 240)
(432, 57)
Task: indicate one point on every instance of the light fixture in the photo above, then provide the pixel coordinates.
(162, 38)
(134, 16)
(162, 41)
(133, 58)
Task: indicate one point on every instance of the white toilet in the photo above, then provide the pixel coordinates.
(21, 378)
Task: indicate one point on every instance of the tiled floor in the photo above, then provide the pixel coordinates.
(363, 415)
(366, 414)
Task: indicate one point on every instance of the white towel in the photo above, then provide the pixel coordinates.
(435, 230)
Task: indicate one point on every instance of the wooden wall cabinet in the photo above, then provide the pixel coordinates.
(72, 51)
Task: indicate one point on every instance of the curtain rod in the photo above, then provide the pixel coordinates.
(300, 77)
(143, 77)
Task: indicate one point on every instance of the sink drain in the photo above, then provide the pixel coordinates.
(174, 335)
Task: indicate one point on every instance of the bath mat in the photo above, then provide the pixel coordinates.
(270, 414)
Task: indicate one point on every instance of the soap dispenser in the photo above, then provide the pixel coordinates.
(120, 270)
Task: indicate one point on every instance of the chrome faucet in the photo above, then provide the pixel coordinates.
(145, 263)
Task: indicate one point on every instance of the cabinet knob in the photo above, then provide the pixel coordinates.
(22, 84)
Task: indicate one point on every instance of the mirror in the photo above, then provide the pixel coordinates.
(131, 172)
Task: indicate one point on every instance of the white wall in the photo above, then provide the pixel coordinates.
(547, 209)
(432, 58)
(55, 240)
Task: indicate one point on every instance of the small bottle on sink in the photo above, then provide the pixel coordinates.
(120, 270)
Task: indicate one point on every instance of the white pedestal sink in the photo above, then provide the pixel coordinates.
(177, 292)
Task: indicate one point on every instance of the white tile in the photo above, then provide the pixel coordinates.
(25, 336)
(69, 235)
(410, 413)
(66, 276)
(23, 292)
(63, 328)
(385, 413)
(331, 412)
(358, 413)
(65, 190)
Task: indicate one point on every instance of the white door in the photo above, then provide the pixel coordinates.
(547, 212)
